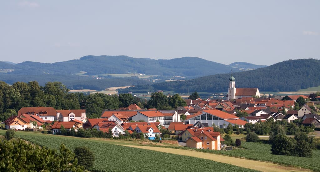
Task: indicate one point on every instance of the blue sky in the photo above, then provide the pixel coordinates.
(260, 32)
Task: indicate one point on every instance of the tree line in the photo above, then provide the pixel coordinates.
(55, 94)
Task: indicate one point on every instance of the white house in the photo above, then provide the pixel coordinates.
(149, 116)
(71, 115)
(150, 131)
(305, 109)
(106, 126)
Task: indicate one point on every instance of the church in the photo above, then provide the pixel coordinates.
(235, 93)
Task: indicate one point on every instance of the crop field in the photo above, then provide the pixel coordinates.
(111, 157)
(262, 152)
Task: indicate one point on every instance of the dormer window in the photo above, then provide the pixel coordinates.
(71, 117)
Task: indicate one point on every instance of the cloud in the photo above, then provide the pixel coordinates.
(310, 33)
(28, 4)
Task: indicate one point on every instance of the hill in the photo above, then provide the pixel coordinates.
(83, 72)
(290, 75)
(244, 66)
(99, 65)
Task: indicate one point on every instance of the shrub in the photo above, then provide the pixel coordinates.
(85, 156)
(227, 140)
(9, 134)
(282, 145)
(303, 144)
(238, 142)
(252, 137)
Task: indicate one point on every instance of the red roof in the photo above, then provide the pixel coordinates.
(152, 113)
(128, 114)
(38, 118)
(246, 91)
(196, 139)
(295, 97)
(66, 125)
(42, 111)
(182, 127)
(236, 121)
(133, 107)
(94, 121)
(172, 124)
(221, 114)
(29, 119)
(145, 128)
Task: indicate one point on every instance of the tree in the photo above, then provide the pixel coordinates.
(10, 134)
(229, 129)
(85, 156)
(176, 100)
(252, 137)
(303, 145)
(126, 100)
(286, 98)
(227, 140)
(241, 114)
(194, 96)
(282, 145)
(159, 101)
(238, 142)
(301, 101)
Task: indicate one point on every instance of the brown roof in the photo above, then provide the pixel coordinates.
(236, 121)
(38, 118)
(295, 97)
(128, 114)
(309, 121)
(29, 119)
(133, 107)
(172, 124)
(42, 111)
(152, 113)
(221, 114)
(145, 128)
(94, 121)
(196, 139)
(246, 91)
(66, 125)
(77, 112)
(182, 127)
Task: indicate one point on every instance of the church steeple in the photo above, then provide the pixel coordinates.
(232, 88)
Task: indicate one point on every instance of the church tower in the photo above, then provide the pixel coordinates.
(232, 88)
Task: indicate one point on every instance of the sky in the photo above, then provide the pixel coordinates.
(259, 32)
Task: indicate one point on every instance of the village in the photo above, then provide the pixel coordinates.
(194, 125)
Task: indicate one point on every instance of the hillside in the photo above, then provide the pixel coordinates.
(290, 75)
(188, 67)
(244, 66)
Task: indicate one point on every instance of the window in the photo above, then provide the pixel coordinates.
(208, 144)
(45, 117)
(205, 138)
(209, 117)
(204, 117)
(201, 138)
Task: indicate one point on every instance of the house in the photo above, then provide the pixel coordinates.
(23, 122)
(70, 115)
(126, 113)
(149, 116)
(255, 119)
(45, 113)
(204, 140)
(290, 117)
(215, 117)
(110, 125)
(67, 126)
(133, 107)
(178, 127)
(295, 97)
(305, 109)
(236, 93)
(118, 118)
(92, 122)
(311, 121)
(150, 131)
(15, 123)
(170, 116)
(260, 112)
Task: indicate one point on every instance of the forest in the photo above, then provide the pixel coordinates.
(291, 75)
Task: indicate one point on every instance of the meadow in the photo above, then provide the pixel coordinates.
(112, 157)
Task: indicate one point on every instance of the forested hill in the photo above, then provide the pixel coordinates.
(189, 67)
(290, 75)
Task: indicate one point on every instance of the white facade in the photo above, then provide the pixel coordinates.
(232, 89)
(116, 119)
(116, 130)
(304, 110)
(48, 118)
(139, 116)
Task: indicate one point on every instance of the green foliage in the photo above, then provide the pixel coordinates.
(21, 156)
(289, 75)
(252, 137)
(229, 129)
(183, 117)
(303, 147)
(159, 101)
(10, 134)
(286, 98)
(301, 101)
(194, 96)
(241, 114)
(176, 101)
(107, 156)
(282, 145)
(227, 140)
(85, 156)
(238, 142)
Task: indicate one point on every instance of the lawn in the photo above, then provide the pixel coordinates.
(112, 157)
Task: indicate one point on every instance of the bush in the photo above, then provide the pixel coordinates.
(227, 140)
(304, 145)
(85, 156)
(238, 142)
(252, 137)
(282, 145)
(9, 134)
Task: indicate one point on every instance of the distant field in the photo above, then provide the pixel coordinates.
(311, 89)
(111, 157)
(140, 76)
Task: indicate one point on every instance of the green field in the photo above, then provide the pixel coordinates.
(311, 89)
(112, 157)
(262, 152)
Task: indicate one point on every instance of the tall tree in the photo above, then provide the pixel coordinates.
(176, 100)
(159, 101)
(194, 96)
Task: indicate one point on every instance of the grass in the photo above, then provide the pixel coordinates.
(112, 157)
(310, 89)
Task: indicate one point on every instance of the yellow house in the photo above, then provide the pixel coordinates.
(205, 140)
